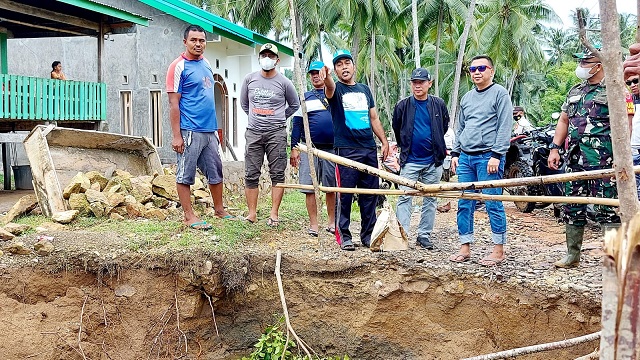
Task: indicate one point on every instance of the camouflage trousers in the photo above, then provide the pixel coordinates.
(576, 214)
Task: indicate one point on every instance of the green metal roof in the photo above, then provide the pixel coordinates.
(211, 23)
(109, 11)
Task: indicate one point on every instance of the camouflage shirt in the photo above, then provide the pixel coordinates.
(589, 127)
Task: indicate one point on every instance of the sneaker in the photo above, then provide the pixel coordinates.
(424, 243)
(480, 206)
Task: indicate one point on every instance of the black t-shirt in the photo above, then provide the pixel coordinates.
(350, 106)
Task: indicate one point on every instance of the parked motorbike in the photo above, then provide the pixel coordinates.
(527, 156)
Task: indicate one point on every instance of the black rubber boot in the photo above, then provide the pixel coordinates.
(574, 236)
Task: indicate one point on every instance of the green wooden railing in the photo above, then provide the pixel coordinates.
(38, 99)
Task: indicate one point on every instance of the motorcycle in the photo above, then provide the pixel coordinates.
(527, 157)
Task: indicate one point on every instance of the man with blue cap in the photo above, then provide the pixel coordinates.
(321, 129)
(355, 120)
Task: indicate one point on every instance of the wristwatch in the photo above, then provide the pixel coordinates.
(554, 146)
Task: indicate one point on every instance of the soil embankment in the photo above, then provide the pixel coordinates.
(98, 300)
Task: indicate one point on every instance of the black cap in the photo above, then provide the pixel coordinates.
(420, 74)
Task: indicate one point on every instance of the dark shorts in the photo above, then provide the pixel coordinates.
(200, 150)
(260, 143)
(325, 171)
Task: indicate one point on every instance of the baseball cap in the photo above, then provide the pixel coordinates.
(420, 74)
(587, 54)
(316, 65)
(342, 54)
(268, 47)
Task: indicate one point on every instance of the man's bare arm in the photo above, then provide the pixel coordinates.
(174, 118)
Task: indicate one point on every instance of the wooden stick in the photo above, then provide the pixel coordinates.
(537, 348)
(463, 195)
(284, 304)
(430, 188)
(80, 329)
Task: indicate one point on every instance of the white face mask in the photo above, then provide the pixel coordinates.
(267, 63)
(583, 73)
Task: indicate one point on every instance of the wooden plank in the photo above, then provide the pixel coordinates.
(103, 101)
(3, 95)
(43, 27)
(49, 15)
(63, 100)
(23, 108)
(39, 98)
(83, 100)
(13, 102)
(32, 98)
(76, 102)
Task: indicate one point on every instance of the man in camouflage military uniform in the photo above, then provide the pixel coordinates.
(585, 120)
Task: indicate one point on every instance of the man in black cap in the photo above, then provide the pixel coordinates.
(419, 123)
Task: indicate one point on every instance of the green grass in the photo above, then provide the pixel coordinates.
(225, 235)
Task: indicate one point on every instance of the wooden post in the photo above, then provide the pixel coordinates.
(297, 71)
(620, 299)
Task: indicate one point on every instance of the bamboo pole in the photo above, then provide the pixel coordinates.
(537, 348)
(431, 188)
(299, 78)
(462, 195)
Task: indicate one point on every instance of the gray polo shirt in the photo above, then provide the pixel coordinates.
(268, 101)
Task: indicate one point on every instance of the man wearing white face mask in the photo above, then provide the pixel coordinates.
(268, 98)
(585, 120)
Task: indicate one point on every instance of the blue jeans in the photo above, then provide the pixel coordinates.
(474, 168)
(636, 161)
(427, 174)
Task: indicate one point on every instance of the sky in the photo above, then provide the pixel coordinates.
(564, 7)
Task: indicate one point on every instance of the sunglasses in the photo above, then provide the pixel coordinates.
(480, 68)
(632, 81)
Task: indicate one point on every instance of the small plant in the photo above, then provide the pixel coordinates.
(271, 345)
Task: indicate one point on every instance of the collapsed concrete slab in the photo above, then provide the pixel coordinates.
(57, 155)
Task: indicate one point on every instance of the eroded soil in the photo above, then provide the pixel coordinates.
(404, 305)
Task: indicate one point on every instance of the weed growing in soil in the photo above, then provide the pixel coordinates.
(271, 346)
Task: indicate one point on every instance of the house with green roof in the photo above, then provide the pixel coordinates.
(134, 61)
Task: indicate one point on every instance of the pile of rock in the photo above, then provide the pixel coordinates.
(125, 196)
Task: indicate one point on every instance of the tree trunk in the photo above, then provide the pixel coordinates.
(638, 21)
(438, 39)
(416, 40)
(299, 79)
(385, 96)
(621, 274)
(372, 80)
(456, 83)
(512, 82)
(320, 46)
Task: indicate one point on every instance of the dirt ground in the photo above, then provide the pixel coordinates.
(95, 299)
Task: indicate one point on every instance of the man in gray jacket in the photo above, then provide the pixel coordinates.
(482, 139)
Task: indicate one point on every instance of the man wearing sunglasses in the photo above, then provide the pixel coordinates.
(482, 140)
(585, 120)
(419, 123)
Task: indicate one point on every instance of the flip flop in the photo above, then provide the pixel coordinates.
(226, 217)
(330, 230)
(200, 225)
(312, 232)
(489, 262)
(249, 220)
(459, 258)
(272, 222)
